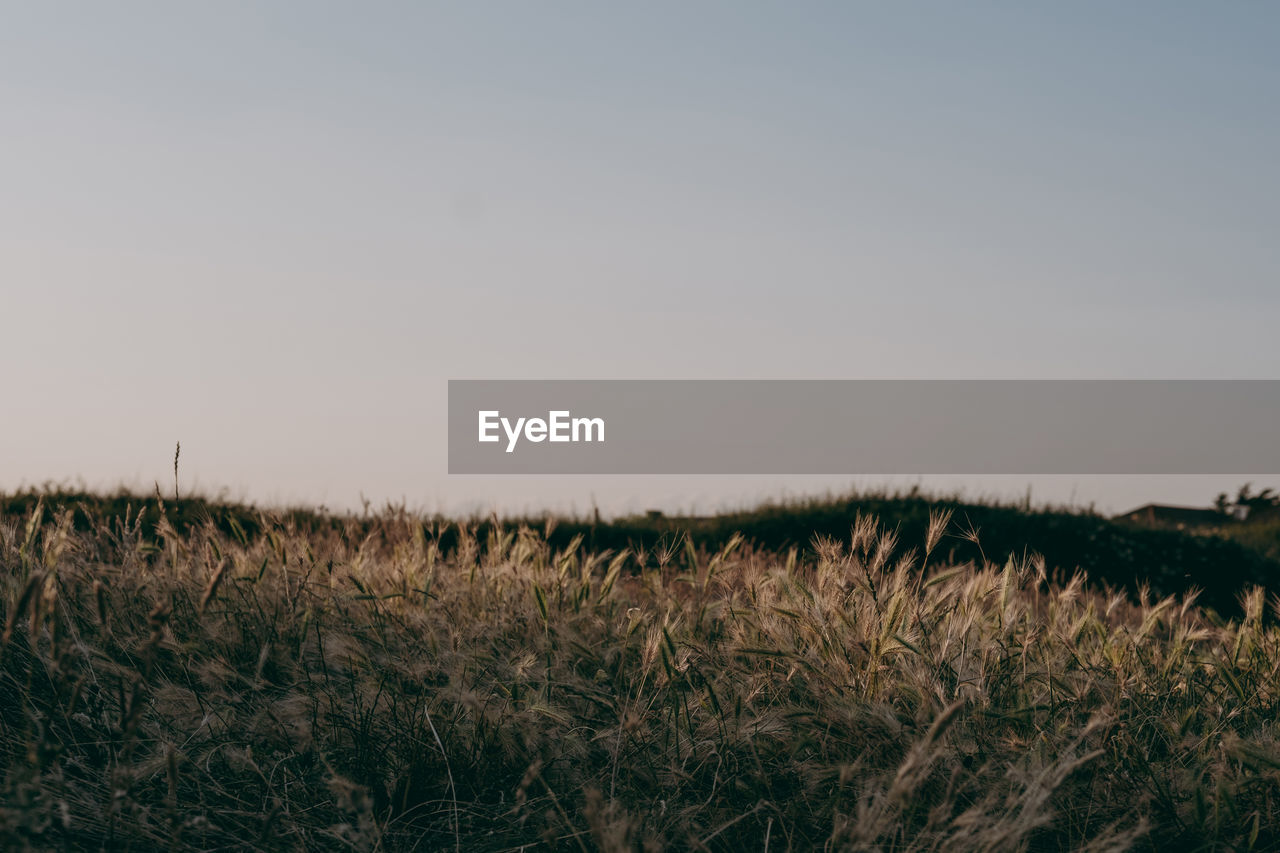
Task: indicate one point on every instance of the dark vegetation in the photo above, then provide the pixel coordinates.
(190, 675)
(1216, 564)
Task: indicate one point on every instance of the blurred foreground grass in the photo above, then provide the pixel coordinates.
(357, 685)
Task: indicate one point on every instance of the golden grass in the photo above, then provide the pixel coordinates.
(323, 691)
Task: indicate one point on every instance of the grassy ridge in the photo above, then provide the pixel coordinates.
(1168, 562)
(1122, 556)
(362, 684)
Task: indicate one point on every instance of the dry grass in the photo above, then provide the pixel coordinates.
(319, 691)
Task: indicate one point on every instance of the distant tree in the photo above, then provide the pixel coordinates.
(1261, 500)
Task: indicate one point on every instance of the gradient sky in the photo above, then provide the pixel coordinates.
(274, 230)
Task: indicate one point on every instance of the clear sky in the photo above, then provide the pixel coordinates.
(274, 230)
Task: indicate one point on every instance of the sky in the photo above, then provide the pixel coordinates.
(273, 231)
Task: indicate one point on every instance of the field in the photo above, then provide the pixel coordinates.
(182, 680)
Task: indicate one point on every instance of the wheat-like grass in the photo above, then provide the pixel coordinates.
(299, 690)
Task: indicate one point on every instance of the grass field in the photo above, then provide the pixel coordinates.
(388, 684)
